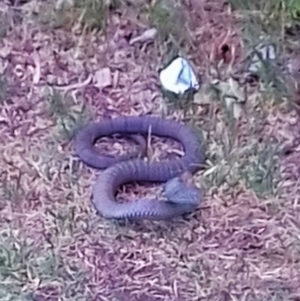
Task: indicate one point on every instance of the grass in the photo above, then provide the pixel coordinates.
(52, 244)
(69, 115)
(3, 88)
(169, 19)
(230, 161)
(94, 13)
(271, 20)
(3, 26)
(256, 163)
(88, 14)
(23, 268)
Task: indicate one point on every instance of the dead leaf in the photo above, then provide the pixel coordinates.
(232, 94)
(235, 90)
(103, 78)
(64, 4)
(204, 95)
(5, 51)
(230, 88)
(75, 86)
(37, 70)
(146, 36)
(236, 107)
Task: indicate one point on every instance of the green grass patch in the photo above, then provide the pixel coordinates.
(26, 273)
(91, 14)
(168, 17)
(69, 114)
(233, 158)
(271, 22)
(3, 88)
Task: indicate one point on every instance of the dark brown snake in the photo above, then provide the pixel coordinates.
(182, 197)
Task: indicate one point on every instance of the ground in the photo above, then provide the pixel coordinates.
(243, 243)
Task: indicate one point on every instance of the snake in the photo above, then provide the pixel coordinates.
(181, 193)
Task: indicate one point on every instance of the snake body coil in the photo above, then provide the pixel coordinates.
(121, 170)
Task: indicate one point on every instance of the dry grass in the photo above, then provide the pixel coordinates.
(244, 241)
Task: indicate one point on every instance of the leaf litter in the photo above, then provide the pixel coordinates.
(238, 246)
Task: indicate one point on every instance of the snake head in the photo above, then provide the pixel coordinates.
(182, 190)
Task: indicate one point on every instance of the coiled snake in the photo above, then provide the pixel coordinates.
(182, 196)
